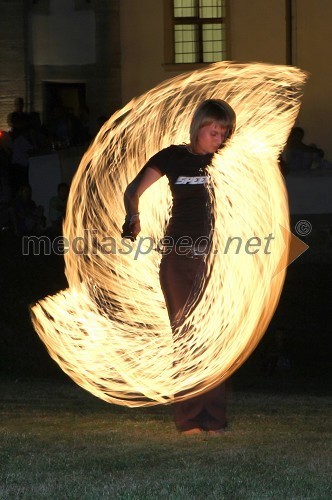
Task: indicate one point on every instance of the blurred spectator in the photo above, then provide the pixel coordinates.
(60, 127)
(58, 204)
(28, 217)
(22, 148)
(38, 134)
(300, 156)
(17, 119)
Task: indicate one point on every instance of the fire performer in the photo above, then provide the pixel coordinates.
(183, 268)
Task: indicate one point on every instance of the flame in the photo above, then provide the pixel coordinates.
(109, 331)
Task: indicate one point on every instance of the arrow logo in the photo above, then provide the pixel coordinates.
(294, 248)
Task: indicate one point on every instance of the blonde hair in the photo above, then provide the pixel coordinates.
(209, 111)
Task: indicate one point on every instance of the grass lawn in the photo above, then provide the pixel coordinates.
(58, 441)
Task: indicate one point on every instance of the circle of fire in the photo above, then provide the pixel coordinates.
(109, 331)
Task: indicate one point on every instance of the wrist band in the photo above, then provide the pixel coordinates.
(134, 217)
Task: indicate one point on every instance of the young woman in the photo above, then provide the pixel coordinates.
(182, 273)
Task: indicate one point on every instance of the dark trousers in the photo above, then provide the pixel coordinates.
(181, 279)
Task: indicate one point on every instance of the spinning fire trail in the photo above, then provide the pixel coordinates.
(109, 331)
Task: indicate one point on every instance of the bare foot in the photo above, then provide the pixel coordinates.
(192, 432)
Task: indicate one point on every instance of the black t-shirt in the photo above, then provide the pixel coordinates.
(188, 180)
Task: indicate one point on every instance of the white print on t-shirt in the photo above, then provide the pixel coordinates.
(192, 180)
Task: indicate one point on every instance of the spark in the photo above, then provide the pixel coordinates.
(109, 331)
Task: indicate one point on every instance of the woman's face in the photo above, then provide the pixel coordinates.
(210, 138)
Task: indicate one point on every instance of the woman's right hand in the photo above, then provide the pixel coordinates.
(130, 230)
(135, 228)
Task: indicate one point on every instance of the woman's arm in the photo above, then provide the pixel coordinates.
(135, 189)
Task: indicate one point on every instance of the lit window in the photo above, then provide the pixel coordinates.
(199, 31)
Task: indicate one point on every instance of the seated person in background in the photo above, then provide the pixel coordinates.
(58, 204)
(28, 217)
(301, 156)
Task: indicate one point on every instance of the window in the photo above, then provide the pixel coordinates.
(198, 31)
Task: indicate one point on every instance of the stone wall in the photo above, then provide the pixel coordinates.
(12, 57)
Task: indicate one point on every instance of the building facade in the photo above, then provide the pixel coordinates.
(102, 53)
(60, 52)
